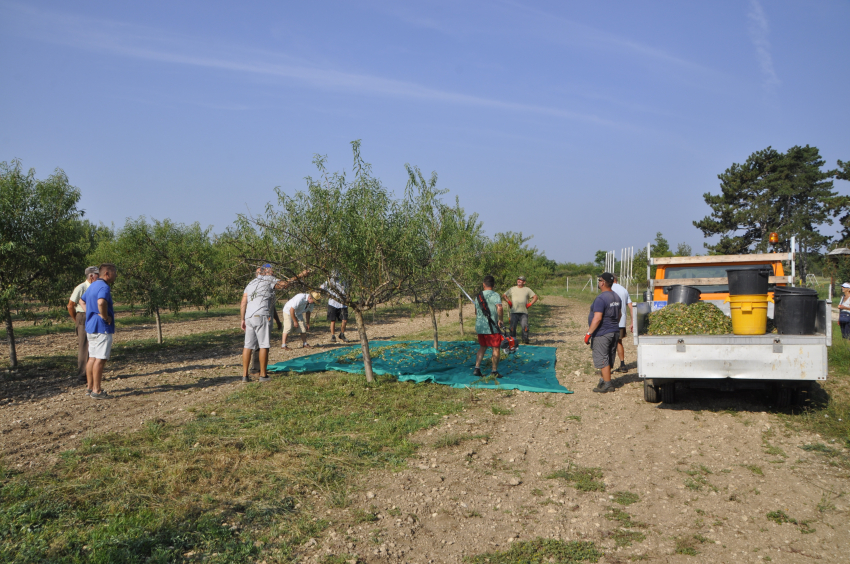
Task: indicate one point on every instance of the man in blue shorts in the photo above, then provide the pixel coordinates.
(603, 332)
(100, 327)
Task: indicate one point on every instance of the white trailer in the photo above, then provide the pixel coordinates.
(786, 364)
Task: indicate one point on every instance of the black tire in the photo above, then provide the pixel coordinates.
(668, 392)
(650, 393)
(783, 397)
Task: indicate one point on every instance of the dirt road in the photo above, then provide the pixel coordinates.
(695, 481)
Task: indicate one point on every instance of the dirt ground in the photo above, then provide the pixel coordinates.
(706, 471)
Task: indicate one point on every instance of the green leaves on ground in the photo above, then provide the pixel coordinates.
(701, 318)
(541, 551)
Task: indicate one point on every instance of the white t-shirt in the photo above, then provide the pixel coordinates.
(334, 288)
(261, 296)
(299, 303)
(625, 300)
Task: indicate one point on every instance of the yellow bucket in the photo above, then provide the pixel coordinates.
(749, 313)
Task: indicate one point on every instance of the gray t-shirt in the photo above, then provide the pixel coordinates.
(261, 296)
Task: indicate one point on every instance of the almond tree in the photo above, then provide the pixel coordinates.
(162, 265)
(349, 228)
(42, 240)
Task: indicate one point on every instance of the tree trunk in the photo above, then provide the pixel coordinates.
(460, 313)
(10, 334)
(158, 326)
(434, 323)
(364, 344)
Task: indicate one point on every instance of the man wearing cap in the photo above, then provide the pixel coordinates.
(519, 299)
(844, 311)
(257, 311)
(77, 311)
(604, 330)
(297, 309)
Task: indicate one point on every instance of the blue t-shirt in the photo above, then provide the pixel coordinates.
(609, 304)
(482, 327)
(99, 290)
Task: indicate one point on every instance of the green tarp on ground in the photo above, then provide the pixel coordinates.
(530, 368)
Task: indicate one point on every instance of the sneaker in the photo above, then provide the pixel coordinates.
(88, 392)
(265, 379)
(495, 374)
(305, 345)
(622, 367)
(604, 388)
(101, 395)
(245, 379)
(283, 346)
(342, 338)
(477, 372)
(333, 338)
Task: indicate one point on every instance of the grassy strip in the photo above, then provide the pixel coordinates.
(64, 325)
(540, 551)
(243, 478)
(829, 412)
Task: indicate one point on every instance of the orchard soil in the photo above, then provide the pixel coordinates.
(693, 481)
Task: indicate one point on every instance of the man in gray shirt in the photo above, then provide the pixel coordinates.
(257, 310)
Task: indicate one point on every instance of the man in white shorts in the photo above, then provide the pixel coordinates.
(100, 328)
(257, 310)
(294, 311)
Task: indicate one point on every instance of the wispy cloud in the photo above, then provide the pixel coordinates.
(571, 32)
(759, 30)
(129, 40)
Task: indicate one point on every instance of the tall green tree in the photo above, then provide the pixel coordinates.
(787, 193)
(352, 229)
(163, 266)
(843, 173)
(42, 240)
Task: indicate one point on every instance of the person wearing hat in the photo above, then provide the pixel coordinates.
(603, 331)
(297, 309)
(519, 299)
(77, 311)
(844, 310)
(257, 311)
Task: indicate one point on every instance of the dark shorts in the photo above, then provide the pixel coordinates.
(605, 349)
(337, 313)
(493, 340)
(622, 333)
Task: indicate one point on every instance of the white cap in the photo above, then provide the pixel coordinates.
(846, 285)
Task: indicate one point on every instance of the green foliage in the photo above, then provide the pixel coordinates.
(786, 193)
(508, 256)
(701, 318)
(239, 473)
(42, 240)
(626, 498)
(541, 551)
(163, 265)
(581, 478)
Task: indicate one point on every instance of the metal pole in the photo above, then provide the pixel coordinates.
(793, 263)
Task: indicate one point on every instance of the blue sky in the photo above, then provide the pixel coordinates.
(588, 125)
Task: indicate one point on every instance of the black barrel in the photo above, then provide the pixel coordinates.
(679, 294)
(747, 281)
(795, 310)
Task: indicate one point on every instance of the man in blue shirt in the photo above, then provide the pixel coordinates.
(100, 327)
(603, 332)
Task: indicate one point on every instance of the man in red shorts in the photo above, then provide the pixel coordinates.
(488, 319)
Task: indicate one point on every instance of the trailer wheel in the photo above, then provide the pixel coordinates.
(668, 392)
(783, 397)
(650, 393)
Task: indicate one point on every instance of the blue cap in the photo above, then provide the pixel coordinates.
(267, 265)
